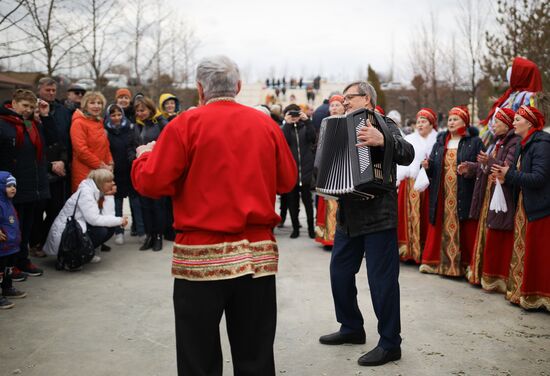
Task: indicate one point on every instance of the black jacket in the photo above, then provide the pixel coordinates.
(469, 147)
(360, 217)
(150, 130)
(123, 144)
(301, 140)
(534, 177)
(319, 114)
(55, 150)
(22, 163)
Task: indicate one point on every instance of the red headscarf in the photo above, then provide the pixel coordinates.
(336, 98)
(506, 115)
(461, 112)
(533, 116)
(380, 110)
(525, 77)
(429, 114)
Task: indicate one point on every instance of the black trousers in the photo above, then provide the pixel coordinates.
(153, 214)
(6, 263)
(294, 205)
(41, 225)
(283, 207)
(250, 307)
(99, 235)
(25, 213)
(382, 257)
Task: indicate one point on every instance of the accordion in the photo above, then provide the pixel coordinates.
(345, 170)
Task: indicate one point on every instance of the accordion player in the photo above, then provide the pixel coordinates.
(345, 170)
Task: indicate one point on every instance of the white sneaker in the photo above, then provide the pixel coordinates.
(119, 239)
(95, 259)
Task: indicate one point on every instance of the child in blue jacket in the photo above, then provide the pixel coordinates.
(10, 238)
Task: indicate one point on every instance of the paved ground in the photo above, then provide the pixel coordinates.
(115, 318)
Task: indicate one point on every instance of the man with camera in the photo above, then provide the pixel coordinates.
(300, 136)
(368, 228)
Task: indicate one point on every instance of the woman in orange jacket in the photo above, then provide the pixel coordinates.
(89, 140)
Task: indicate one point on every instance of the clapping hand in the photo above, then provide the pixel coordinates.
(499, 172)
(462, 168)
(482, 157)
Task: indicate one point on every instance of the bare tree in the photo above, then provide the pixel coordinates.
(52, 29)
(182, 51)
(425, 56)
(11, 14)
(139, 29)
(453, 72)
(100, 52)
(472, 22)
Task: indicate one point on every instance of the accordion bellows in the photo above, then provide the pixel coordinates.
(345, 170)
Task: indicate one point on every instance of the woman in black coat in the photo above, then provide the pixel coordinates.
(529, 280)
(149, 125)
(300, 136)
(451, 234)
(123, 144)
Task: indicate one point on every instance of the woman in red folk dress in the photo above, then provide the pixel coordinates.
(451, 233)
(495, 236)
(326, 208)
(413, 206)
(529, 279)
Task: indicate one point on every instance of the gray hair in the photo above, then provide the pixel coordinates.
(365, 88)
(46, 81)
(218, 76)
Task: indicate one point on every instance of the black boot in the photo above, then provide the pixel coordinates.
(157, 242)
(147, 244)
(311, 233)
(295, 233)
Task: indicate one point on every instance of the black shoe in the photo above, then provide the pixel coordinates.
(281, 224)
(311, 233)
(105, 248)
(31, 270)
(13, 293)
(147, 244)
(157, 243)
(338, 338)
(5, 303)
(295, 234)
(379, 356)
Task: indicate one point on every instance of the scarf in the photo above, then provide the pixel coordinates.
(29, 126)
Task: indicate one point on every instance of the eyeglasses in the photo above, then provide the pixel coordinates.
(349, 96)
(80, 93)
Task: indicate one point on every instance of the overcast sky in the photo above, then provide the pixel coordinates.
(305, 37)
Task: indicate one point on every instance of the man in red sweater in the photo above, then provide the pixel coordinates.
(222, 164)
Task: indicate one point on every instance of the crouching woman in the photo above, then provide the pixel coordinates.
(95, 212)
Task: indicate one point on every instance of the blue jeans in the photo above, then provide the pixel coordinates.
(382, 258)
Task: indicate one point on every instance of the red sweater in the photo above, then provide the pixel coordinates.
(222, 164)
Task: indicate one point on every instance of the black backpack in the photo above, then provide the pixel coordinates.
(76, 247)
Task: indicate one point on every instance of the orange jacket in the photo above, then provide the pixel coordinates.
(90, 147)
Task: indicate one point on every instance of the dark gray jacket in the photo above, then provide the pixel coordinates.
(534, 177)
(360, 217)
